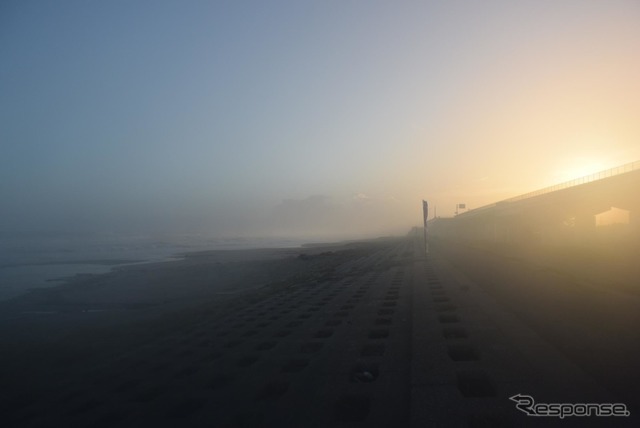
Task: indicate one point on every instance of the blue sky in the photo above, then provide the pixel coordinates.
(196, 115)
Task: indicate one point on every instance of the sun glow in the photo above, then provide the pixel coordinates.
(579, 168)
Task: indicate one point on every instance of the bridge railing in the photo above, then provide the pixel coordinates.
(632, 166)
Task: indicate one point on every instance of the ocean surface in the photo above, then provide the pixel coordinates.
(40, 262)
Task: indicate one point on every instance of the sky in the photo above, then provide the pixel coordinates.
(313, 118)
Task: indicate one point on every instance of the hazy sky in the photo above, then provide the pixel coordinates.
(273, 117)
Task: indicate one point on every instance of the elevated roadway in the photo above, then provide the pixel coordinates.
(565, 211)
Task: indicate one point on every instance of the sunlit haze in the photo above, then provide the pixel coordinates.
(304, 119)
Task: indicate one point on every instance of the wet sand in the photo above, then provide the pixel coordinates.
(361, 334)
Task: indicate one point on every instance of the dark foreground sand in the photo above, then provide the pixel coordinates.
(361, 334)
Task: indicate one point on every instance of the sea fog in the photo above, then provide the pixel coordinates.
(28, 262)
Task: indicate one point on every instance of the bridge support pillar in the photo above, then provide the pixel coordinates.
(634, 223)
(585, 227)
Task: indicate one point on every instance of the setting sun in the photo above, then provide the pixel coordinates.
(579, 168)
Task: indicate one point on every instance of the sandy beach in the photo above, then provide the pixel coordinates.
(359, 334)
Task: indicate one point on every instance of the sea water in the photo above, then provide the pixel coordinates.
(39, 262)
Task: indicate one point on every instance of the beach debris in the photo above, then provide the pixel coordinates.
(363, 376)
(364, 372)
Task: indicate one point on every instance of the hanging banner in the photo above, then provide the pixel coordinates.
(425, 217)
(425, 212)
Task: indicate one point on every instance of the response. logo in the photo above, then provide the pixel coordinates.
(526, 404)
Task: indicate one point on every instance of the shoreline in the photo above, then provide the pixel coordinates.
(83, 268)
(184, 280)
(45, 263)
